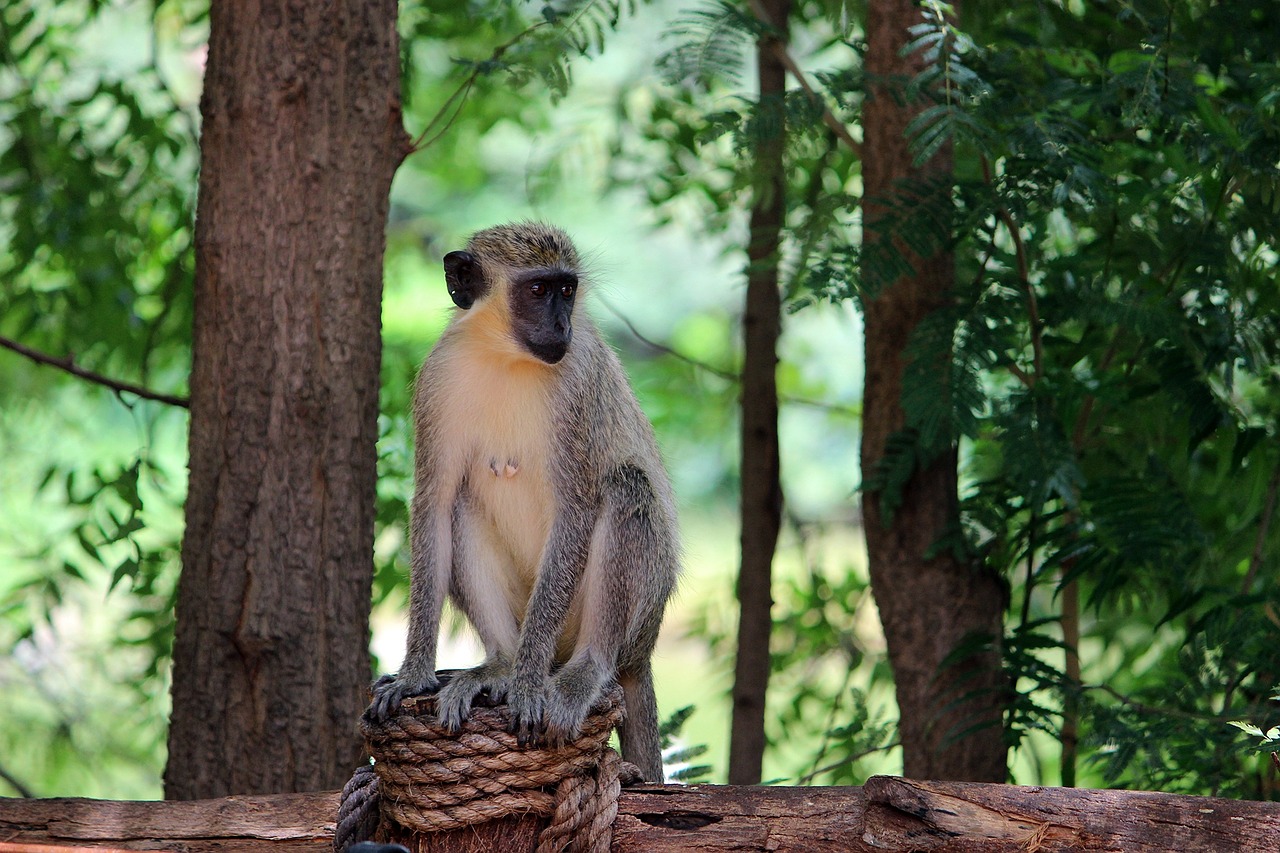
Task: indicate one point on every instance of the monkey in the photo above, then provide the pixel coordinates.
(541, 505)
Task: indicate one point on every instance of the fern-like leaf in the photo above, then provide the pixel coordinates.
(713, 44)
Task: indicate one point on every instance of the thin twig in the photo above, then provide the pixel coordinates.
(1264, 526)
(1149, 710)
(793, 68)
(66, 364)
(23, 790)
(464, 88)
(1024, 276)
(726, 375)
(846, 761)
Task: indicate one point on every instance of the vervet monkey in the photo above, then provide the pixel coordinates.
(541, 504)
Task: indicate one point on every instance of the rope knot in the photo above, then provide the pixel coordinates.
(429, 779)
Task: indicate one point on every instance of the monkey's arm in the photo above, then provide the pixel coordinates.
(431, 555)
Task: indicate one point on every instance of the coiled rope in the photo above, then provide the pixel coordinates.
(427, 779)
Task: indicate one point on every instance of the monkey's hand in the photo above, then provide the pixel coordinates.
(390, 690)
(453, 703)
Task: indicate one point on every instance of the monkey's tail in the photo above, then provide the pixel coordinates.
(638, 731)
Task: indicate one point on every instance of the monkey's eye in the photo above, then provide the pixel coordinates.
(567, 290)
(538, 289)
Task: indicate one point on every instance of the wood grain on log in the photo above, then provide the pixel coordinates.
(887, 814)
(272, 823)
(950, 816)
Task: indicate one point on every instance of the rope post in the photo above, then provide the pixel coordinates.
(426, 780)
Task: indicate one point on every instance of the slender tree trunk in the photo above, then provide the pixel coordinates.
(301, 136)
(1070, 595)
(761, 489)
(928, 604)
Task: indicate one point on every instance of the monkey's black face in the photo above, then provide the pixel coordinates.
(541, 302)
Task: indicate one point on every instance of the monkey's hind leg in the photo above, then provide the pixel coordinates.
(630, 573)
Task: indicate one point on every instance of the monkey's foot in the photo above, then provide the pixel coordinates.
(454, 701)
(573, 692)
(563, 720)
(527, 704)
(390, 690)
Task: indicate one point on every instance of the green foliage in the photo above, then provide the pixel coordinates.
(97, 184)
(1268, 741)
(97, 166)
(87, 625)
(98, 157)
(1109, 365)
(819, 662)
(713, 43)
(677, 757)
(1113, 360)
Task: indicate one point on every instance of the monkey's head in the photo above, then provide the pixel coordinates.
(533, 268)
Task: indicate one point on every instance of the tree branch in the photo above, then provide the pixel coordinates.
(23, 790)
(460, 94)
(463, 91)
(780, 52)
(66, 364)
(1024, 276)
(726, 375)
(1264, 526)
(721, 373)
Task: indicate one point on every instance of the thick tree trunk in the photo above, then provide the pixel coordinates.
(928, 605)
(301, 137)
(761, 487)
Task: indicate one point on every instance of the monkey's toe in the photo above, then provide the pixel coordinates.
(390, 691)
(453, 703)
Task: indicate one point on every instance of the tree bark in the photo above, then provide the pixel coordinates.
(761, 487)
(886, 815)
(928, 604)
(301, 136)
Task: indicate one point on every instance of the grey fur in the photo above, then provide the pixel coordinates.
(611, 555)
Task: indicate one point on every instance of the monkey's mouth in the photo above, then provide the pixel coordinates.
(549, 351)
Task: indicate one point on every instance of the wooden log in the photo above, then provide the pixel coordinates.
(887, 814)
(271, 823)
(950, 817)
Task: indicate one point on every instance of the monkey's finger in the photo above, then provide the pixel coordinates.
(386, 698)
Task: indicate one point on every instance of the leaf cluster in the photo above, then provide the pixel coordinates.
(97, 177)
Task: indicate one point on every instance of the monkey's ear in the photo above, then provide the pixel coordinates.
(463, 278)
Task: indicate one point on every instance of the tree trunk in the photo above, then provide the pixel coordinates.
(928, 605)
(761, 489)
(301, 136)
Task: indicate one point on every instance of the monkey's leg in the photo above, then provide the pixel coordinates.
(481, 587)
(625, 587)
(580, 682)
(644, 558)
